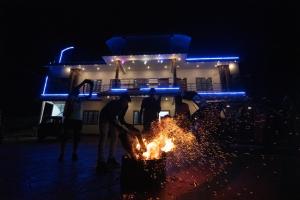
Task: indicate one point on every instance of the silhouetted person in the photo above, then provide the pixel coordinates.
(73, 119)
(1, 125)
(182, 112)
(181, 108)
(111, 122)
(150, 109)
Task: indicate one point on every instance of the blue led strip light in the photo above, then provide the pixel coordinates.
(212, 58)
(222, 93)
(171, 88)
(59, 95)
(62, 53)
(118, 89)
(65, 94)
(45, 85)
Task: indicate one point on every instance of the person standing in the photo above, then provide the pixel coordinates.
(1, 125)
(181, 109)
(182, 112)
(73, 119)
(150, 109)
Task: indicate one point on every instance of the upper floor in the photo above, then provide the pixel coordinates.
(135, 73)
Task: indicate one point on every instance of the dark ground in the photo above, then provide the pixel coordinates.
(29, 170)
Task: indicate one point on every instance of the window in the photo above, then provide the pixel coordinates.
(58, 109)
(209, 85)
(115, 83)
(97, 87)
(163, 82)
(141, 82)
(204, 84)
(136, 117)
(163, 113)
(137, 113)
(90, 117)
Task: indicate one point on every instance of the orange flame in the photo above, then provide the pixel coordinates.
(170, 136)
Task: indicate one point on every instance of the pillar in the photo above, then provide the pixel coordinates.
(116, 83)
(74, 78)
(174, 70)
(225, 77)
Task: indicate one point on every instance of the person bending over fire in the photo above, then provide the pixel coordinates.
(112, 123)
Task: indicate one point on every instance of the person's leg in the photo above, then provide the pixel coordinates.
(63, 143)
(76, 137)
(103, 131)
(112, 147)
(113, 141)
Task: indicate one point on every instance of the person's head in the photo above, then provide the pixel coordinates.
(152, 92)
(178, 99)
(75, 92)
(125, 99)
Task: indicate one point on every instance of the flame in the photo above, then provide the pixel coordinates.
(172, 135)
(169, 146)
(155, 147)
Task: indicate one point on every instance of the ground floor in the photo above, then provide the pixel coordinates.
(91, 109)
(29, 170)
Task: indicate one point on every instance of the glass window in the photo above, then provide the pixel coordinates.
(204, 84)
(163, 113)
(136, 117)
(97, 87)
(90, 117)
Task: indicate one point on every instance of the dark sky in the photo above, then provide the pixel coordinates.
(262, 33)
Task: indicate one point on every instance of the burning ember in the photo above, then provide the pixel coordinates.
(171, 148)
(168, 136)
(181, 146)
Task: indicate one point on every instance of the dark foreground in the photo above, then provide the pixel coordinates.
(29, 170)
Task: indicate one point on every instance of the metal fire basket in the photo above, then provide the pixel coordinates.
(143, 174)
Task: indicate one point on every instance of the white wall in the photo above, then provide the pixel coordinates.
(186, 70)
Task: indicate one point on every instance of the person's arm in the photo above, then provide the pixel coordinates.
(91, 83)
(141, 111)
(158, 104)
(122, 115)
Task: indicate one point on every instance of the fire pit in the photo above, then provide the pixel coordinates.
(143, 174)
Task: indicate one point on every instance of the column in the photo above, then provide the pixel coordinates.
(116, 83)
(74, 78)
(174, 70)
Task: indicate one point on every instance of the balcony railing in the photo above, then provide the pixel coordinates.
(154, 83)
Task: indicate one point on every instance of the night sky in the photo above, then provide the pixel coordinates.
(261, 33)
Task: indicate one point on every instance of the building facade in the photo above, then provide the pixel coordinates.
(170, 72)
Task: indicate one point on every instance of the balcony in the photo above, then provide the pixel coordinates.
(132, 84)
(165, 86)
